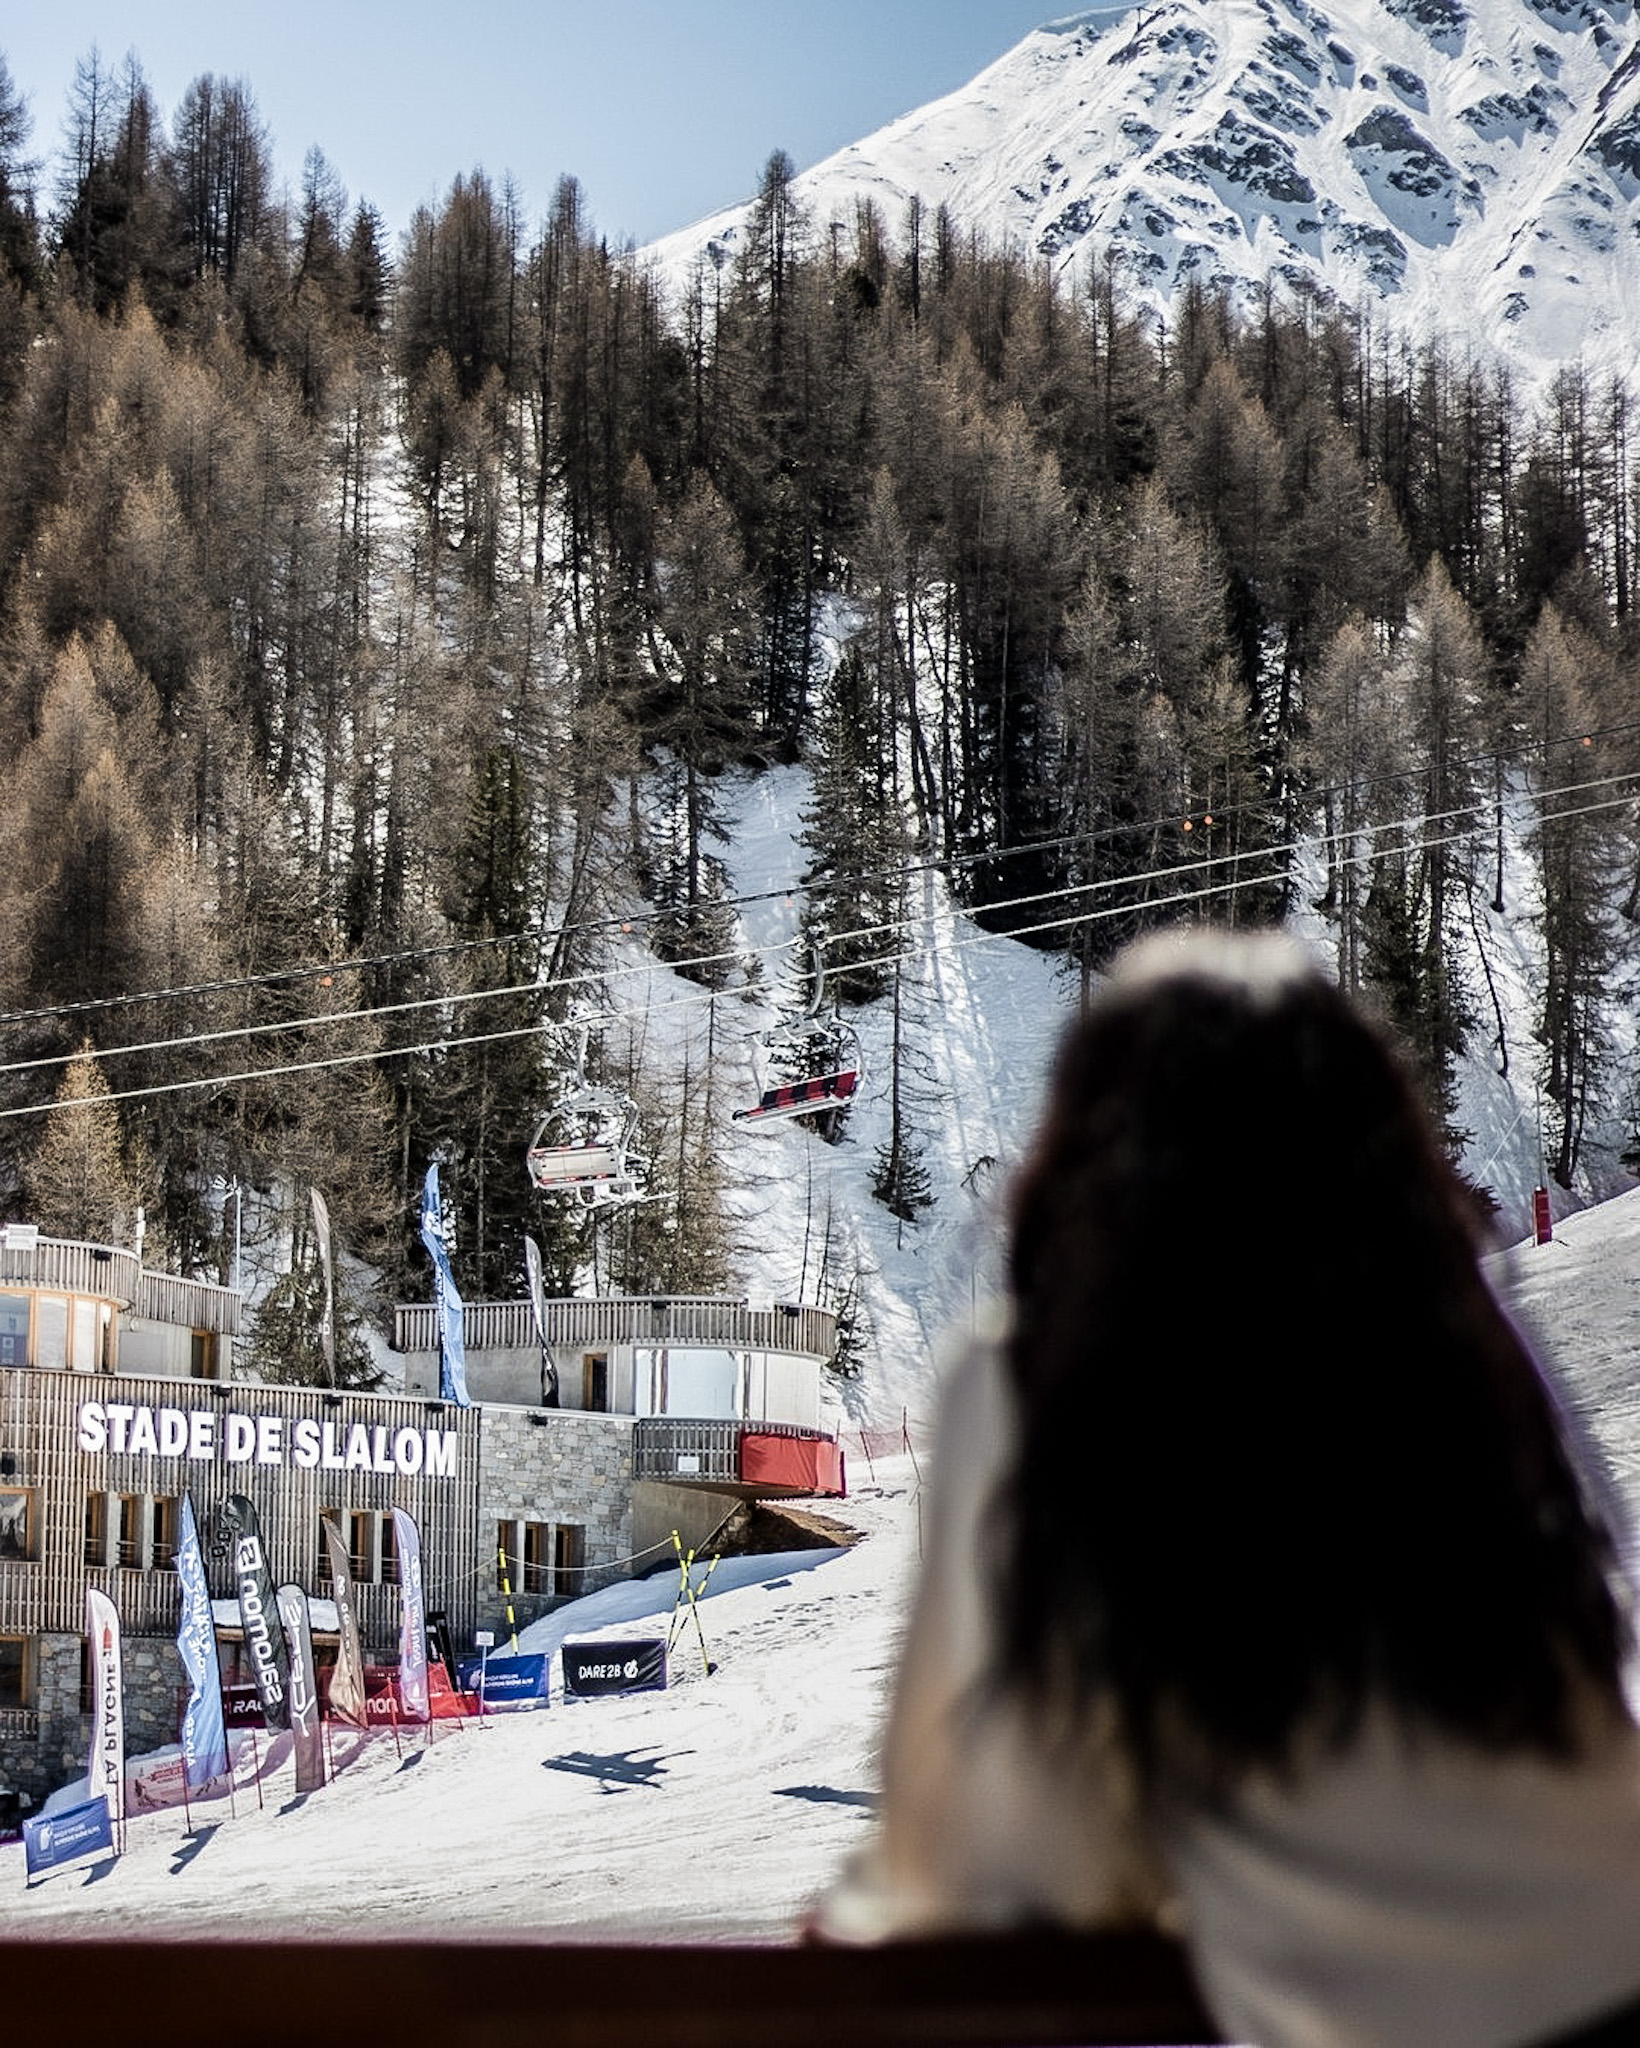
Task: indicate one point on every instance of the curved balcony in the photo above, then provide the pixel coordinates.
(102, 1272)
(711, 1323)
(57, 1265)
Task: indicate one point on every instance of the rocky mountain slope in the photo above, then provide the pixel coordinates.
(1466, 166)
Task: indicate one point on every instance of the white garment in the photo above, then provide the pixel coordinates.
(1393, 1895)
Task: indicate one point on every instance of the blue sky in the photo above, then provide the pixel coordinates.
(664, 110)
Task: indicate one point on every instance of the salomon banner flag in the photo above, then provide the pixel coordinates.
(327, 1317)
(105, 1775)
(538, 1311)
(258, 1610)
(305, 1729)
(204, 1740)
(347, 1698)
(413, 1625)
(452, 1343)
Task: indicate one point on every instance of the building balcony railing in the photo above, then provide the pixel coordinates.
(704, 1322)
(55, 1265)
(58, 1265)
(189, 1304)
(702, 1452)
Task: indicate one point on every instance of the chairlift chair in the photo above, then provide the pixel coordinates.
(809, 1095)
(803, 1069)
(582, 1147)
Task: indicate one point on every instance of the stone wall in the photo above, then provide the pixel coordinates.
(154, 1683)
(558, 1466)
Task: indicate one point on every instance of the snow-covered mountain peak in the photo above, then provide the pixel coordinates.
(1471, 165)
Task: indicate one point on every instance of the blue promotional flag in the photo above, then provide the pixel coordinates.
(61, 1837)
(452, 1346)
(204, 1739)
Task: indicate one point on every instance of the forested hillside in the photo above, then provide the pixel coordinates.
(376, 624)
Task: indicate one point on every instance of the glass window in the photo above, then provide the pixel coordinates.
(595, 1382)
(506, 1556)
(16, 1533)
(390, 1552)
(202, 1355)
(568, 1555)
(96, 1528)
(51, 1331)
(13, 1671)
(13, 1329)
(85, 1336)
(163, 1550)
(537, 1558)
(129, 1534)
(361, 1560)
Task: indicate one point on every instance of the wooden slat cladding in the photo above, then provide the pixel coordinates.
(37, 1433)
(277, 1428)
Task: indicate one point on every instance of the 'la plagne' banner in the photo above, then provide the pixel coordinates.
(305, 1442)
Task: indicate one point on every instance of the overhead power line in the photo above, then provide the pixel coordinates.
(622, 922)
(1263, 866)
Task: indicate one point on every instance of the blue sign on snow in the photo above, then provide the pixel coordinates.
(61, 1837)
(507, 1681)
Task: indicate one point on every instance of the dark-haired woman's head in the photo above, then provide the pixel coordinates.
(1282, 1453)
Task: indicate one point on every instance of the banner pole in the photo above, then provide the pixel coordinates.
(683, 1590)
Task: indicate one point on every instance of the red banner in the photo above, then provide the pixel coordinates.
(797, 1464)
(383, 1706)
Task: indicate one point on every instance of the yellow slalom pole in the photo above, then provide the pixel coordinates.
(686, 1591)
(506, 1589)
(684, 1564)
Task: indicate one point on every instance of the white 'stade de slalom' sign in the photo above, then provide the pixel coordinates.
(123, 1429)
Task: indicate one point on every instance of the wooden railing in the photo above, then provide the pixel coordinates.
(58, 1265)
(189, 1304)
(1017, 1991)
(706, 1322)
(674, 1448)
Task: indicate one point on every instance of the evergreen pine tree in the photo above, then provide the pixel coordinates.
(76, 1180)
